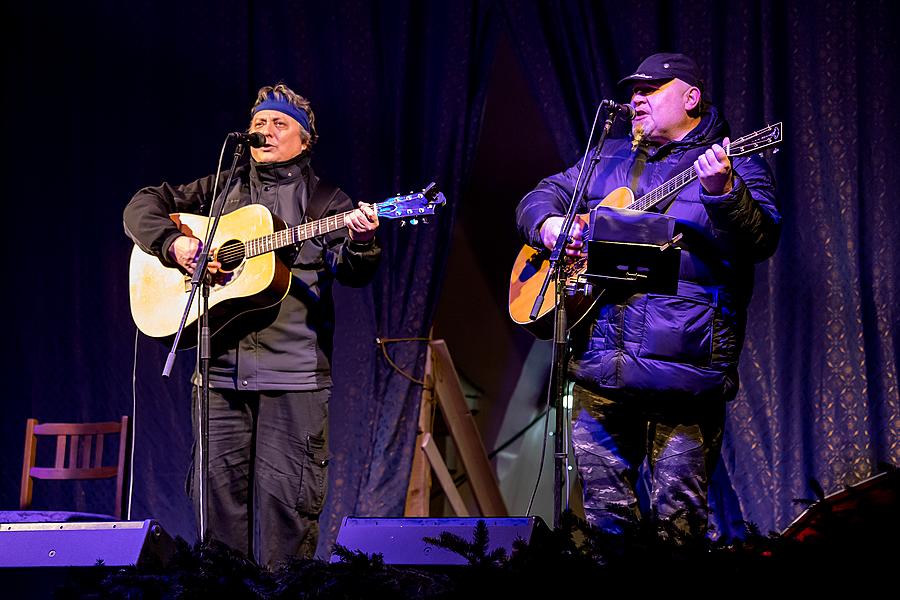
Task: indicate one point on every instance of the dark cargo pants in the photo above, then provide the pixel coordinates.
(268, 458)
(681, 443)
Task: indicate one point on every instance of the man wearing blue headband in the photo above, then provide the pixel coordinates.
(270, 374)
(653, 372)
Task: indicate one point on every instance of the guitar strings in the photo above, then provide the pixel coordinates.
(292, 235)
(284, 237)
(653, 197)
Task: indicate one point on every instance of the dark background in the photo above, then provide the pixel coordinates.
(485, 98)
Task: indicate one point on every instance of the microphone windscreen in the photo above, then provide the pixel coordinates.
(256, 139)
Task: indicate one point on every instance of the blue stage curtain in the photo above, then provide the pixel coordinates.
(819, 395)
(401, 85)
(123, 95)
(108, 96)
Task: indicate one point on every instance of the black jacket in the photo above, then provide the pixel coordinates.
(288, 346)
(688, 343)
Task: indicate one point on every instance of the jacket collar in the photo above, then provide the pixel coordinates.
(279, 171)
(712, 128)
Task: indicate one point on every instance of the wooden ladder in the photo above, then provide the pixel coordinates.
(442, 389)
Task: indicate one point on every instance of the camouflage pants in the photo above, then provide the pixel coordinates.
(612, 439)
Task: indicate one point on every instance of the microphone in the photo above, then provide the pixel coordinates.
(625, 110)
(255, 139)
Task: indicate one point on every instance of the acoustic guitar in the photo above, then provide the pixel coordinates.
(532, 264)
(253, 276)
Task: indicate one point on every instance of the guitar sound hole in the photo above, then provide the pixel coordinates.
(231, 255)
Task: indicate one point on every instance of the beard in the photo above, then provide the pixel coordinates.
(637, 136)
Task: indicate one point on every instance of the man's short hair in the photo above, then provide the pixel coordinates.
(283, 93)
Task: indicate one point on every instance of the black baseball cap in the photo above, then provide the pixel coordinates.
(665, 66)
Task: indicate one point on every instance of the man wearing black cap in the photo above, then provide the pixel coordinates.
(270, 370)
(653, 372)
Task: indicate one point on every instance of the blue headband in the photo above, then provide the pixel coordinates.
(285, 107)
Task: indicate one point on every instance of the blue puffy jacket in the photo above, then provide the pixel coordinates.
(653, 345)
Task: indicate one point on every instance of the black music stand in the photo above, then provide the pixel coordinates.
(632, 252)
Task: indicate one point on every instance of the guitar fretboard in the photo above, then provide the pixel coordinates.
(651, 199)
(755, 142)
(294, 235)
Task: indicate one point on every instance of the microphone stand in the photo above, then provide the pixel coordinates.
(200, 280)
(560, 325)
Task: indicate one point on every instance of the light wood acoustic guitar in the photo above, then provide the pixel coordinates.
(253, 276)
(532, 264)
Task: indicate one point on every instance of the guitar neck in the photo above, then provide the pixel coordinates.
(654, 197)
(755, 142)
(294, 235)
(410, 207)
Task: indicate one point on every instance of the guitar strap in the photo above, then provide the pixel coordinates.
(312, 206)
(320, 198)
(637, 169)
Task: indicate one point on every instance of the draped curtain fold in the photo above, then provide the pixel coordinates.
(112, 96)
(411, 78)
(397, 87)
(819, 396)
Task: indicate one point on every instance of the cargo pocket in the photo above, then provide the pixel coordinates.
(315, 477)
(677, 329)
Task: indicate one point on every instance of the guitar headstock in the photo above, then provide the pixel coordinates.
(757, 141)
(412, 206)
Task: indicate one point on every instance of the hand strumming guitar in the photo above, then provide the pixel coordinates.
(550, 231)
(185, 251)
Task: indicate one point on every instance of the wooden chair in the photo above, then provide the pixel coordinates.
(82, 444)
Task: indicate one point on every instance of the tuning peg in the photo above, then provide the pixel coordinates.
(402, 223)
(424, 220)
(413, 221)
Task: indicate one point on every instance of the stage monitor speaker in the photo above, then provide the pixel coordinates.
(400, 540)
(870, 508)
(112, 544)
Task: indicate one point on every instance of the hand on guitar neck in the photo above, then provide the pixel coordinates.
(550, 232)
(185, 250)
(250, 276)
(714, 170)
(362, 223)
